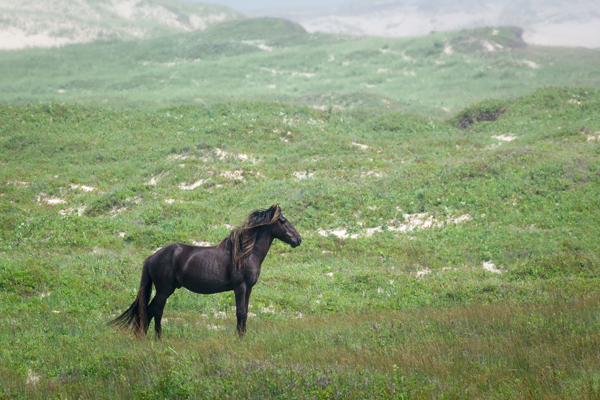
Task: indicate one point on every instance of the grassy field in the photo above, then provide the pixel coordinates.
(276, 60)
(454, 258)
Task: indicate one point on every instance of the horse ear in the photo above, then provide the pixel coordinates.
(276, 210)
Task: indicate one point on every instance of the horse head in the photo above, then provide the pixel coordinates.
(283, 230)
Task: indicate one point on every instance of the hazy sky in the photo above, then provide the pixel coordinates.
(262, 4)
(258, 4)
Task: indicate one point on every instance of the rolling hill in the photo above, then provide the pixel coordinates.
(545, 22)
(276, 59)
(31, 23)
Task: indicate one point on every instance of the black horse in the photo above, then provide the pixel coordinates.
(234, 264)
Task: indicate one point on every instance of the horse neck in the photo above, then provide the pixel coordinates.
(263, 243)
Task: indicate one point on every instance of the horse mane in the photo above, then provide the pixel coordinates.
(242, 239)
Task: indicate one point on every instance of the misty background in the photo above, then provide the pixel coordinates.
(545, 22)
(34, 23)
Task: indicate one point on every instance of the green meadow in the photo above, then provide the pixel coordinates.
(449, 218)
(276, 60)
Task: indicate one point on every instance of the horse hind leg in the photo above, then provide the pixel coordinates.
(155, 310)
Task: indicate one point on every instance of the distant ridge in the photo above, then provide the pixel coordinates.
(545, 22)
(51, 23)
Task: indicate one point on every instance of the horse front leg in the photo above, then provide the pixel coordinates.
(247, 304)
(241, 306)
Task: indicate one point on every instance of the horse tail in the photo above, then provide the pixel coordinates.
(136, 316)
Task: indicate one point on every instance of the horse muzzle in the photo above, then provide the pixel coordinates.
(296, 242)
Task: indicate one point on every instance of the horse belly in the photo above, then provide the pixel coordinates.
(205, 275)
(207, 287)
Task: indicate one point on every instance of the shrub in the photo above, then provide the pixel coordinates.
(487, 110)
(556, 265)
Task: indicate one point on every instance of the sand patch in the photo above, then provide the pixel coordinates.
(201, 243)
(368, 85)
(117, 210)
(220, 314)
(304, 74)
(265, 47)
(488, 266)
(292, 73)
(43, 198)
(20, 184)
(508, 137)
(487, 46)
(83, 187)
(258, 43)
(423, 272)
(219, 153)
(14, 38)
(592, 138)
(448, 50)
(362, 146)
(411, 222)
(424, 221)
(530, 64)
(222, 154)
(179, 157)
(177, 61)
(268, 310)
(134, 200)
(234, 175)
(71, 210)
(272, 71)
(192, 186)
(171, 201)
(371, 174)
(32, 378)
(493, 146)
(340, 233)
(331, 58)
(300, 175)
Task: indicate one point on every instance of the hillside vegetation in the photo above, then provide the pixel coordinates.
(452, 258)
(277, 60)
(51, 23)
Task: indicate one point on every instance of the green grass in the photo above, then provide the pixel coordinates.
(226, 62)
(333, 318)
